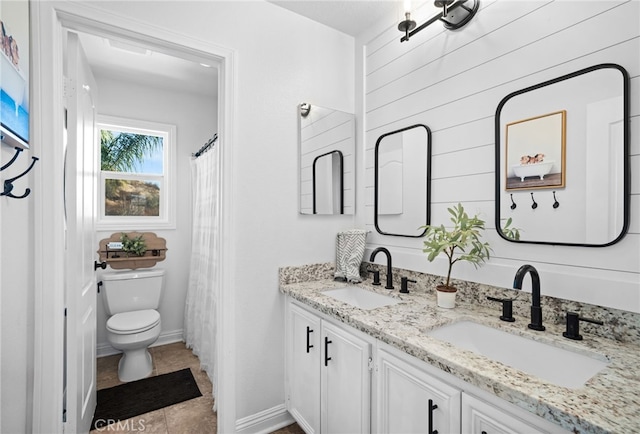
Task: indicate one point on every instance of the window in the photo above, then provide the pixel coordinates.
(136, 168)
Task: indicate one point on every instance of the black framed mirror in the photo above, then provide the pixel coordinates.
(562, 160)
(326, 160)
(402, 181)
(328, 183)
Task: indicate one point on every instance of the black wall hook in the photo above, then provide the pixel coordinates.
(8, 183)
(513, 204)
(18, 150)
(556, 204)
(534, 205)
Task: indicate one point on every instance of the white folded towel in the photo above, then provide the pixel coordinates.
(349, 253)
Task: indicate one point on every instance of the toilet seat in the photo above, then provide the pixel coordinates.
(137, 321)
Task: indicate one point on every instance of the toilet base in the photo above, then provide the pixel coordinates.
(135, 365)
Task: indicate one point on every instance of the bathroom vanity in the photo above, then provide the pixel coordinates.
(379, 370)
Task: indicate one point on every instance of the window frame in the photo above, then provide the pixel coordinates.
(167, 217)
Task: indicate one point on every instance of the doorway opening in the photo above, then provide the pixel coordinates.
(138, 81)
(52, 22)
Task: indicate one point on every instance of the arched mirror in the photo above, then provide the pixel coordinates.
(327, 160)
(562, 172)
(402, 180)
(328, 183)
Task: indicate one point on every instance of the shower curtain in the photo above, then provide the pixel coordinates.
(202, 293)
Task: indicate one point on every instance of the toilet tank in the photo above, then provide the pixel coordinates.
(130, 290)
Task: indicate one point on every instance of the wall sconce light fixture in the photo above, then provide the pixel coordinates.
(454, 15)
(305, 108)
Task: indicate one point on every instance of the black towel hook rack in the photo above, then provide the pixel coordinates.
(8, 183)
(534, 205)
(556, 204)
(513, 204)
(15, 156)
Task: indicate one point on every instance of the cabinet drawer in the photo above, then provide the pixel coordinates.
(479, 417)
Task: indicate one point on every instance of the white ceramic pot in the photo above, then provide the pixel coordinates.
(446, 299)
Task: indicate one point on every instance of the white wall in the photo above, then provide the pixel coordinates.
(283, 60)
(195, 117)
(16, 296)
(452, 81)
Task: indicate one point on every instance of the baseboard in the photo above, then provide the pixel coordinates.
(265, 421)
(169, 337)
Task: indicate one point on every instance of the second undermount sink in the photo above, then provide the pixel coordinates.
(360, 298)
(556, 365)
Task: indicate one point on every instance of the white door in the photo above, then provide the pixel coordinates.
(345, 382)
(80, 279)
(304, 368)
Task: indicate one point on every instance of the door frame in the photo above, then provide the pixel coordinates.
(49, 22)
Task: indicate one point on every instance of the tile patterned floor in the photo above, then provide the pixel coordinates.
(193, 416)
(190, 417)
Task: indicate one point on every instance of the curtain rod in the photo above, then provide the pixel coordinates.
(206, 146)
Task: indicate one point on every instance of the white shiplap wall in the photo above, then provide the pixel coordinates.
(452, 81)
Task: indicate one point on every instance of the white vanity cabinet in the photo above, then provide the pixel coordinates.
(328, 374)
(303, 360)
(329, 367)
(409, 400)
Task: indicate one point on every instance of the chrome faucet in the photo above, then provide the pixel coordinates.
(389, 272)
(536, 309)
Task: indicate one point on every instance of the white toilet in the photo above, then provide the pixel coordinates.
(131, 298)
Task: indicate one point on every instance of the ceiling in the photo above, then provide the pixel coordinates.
(133, 63)
(352, 17)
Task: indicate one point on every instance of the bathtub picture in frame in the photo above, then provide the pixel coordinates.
(535, 152)
(14, 73)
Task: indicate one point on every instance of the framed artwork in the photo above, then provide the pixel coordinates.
(14, 73)
(535, 152)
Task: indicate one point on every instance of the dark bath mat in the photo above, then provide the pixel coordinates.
(142, 396)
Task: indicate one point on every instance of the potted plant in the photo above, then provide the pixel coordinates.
(133, 246)
(459, 243)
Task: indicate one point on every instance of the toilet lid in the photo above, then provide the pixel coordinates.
(133, 322)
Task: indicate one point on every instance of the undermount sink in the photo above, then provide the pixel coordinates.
(553, 364)
(360, 298)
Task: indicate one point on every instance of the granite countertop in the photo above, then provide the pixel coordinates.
(608, 403)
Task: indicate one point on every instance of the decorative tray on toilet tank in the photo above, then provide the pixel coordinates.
(112, 251)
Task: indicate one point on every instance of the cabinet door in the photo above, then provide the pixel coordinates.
(346, 382)
(479, 417)
(404, 394)
(304, 368)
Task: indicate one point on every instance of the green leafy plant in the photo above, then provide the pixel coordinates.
(459, 243)
(509, 231)
(125, 152)
(134, 246)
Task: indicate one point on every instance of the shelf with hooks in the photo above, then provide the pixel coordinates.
(118, 259)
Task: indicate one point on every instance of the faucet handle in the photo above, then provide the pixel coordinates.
(573, 326)
(507, 308)
(376, 277)
(404, 284)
